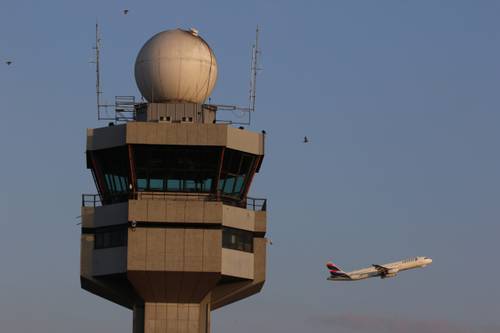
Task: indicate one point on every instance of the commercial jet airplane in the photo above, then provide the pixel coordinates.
(384, 271)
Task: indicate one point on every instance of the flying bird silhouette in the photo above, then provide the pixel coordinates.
(306, 140)
(8, 62)
(125, 11)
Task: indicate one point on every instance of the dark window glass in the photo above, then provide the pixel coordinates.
(156, 184)
(236, 169)
(246, 164)
(189, 185)
(99, 242)
(107, 237)
(228, 185)
(207, 184)
(113, 166)
(142, 184)
(174, 185)
(177, 169)
(239, 184)
(237, 239)
(233, 161)
(221, 184)
(174, 169)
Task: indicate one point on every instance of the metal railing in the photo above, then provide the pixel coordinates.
(123, 110)
(95, 200)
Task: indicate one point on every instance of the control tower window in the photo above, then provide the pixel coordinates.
(158, 168)
(176, 169)
(107, 237)
(236, 239)
(236, 169)
(111, 166)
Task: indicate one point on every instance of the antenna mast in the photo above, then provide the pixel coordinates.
(98, 91)
(253, 69)
(252, 92)
(97, 48)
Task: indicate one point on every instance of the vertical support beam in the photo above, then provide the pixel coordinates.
(98, 174)
(254, 170)
(95, 182)
(133, 178)
(219, 173)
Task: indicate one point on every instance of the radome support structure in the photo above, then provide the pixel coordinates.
(172, 233)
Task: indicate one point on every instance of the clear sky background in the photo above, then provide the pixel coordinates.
(400, 100)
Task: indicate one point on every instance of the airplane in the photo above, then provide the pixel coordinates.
(384, 271)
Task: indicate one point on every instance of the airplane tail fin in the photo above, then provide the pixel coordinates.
(335, 271)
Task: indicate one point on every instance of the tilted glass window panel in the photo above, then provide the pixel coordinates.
(207, 185)
(199, 186)
(109, 183)
(124, 181)
(239, 184)
(118, 183)
(228, 185)
(156, 184)
(142, 184)
(114, 186)
(246, 164)
(180, 168)
(233, 162)
(112, 165)
(174, 185)
(221, 184)
(236, 173)
(189, 186)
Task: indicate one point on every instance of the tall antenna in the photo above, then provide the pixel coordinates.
(252, 92)
(253, 70)
(97, 47)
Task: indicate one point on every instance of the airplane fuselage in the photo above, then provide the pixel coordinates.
(384, 271)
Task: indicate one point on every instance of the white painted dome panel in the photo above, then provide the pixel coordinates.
(176, 66)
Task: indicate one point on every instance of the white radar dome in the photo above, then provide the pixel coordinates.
(176, 66)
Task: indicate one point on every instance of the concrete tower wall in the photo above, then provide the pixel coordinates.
(171, 257)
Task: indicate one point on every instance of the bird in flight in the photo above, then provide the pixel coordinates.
(8, 62)
(306, 140)
(125, 11)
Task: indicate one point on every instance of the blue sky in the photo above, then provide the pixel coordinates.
(400, 100)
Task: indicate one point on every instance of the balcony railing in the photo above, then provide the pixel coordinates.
(95, 200)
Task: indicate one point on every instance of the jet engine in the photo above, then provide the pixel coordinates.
(390, 273)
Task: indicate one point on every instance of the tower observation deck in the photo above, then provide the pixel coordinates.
(172, 233)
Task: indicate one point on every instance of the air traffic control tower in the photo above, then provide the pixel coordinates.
(172, 234)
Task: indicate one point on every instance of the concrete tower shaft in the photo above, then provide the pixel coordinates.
(172, 234)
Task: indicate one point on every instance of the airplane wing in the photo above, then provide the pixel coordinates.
(386, 272)
(381, 269)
